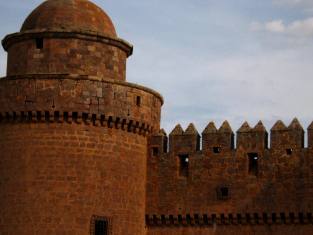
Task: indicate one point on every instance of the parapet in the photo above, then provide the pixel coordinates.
(184, 141)
(249, 139)
(287, 137)
(252, 139)
(217, 140)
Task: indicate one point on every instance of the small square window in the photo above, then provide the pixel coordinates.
(289, 151)
(222, 193)
(217, 149)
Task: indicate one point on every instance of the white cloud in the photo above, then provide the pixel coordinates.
(267, 85)
(298, 28)
(276, 26)
(301, 27)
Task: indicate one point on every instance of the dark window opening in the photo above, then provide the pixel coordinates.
(217, 149)
(183, 165)
(155, 151)
(138, 101)
(222, 193)
(39, 43)
(253, 163)
(101, 227)
(289, 151)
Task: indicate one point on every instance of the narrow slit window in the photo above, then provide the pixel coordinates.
(253, 163)
(101, 227)
(138, 101)
(39, 43)
(183, 165)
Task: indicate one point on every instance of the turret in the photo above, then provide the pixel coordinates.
(53, 41)
(217, 140)
(73, 132)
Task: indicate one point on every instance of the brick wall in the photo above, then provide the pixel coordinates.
(282, 182)
(67, 56)
(234, 230)
(56, 176)
(52, 93)
(73, 148)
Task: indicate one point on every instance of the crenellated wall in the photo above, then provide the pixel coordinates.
(255, 177)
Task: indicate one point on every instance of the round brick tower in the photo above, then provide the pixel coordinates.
(73, 132)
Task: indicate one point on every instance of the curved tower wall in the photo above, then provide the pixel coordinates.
(67, 53)
(56, 176)
(73, 136)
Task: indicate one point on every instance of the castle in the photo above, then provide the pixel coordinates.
(82, 151)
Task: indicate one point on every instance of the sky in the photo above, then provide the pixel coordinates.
(212, 60)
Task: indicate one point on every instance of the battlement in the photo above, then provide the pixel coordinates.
(249, 139)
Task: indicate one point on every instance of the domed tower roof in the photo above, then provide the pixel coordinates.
(68, 37)
(69, 15)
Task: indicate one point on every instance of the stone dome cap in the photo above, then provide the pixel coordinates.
(69, 15)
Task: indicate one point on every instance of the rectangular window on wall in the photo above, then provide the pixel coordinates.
(100, 226)
(39, 43)
(183, 165)
(223, 193)
(138, 101)
(253, 163)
